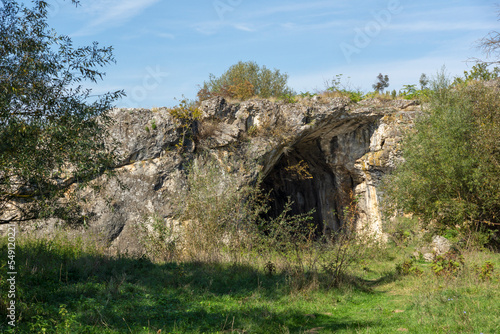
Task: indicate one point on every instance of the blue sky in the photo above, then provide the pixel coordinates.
(165, 49)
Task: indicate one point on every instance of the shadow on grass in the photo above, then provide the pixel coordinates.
(60, 291)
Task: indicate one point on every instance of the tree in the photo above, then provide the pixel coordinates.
(382, 83)
(244, 80)
(424, 81)
(52, 129)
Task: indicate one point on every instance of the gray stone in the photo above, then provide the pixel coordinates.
(345, 147)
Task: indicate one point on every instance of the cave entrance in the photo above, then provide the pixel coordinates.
(304, 176)
(318, 172)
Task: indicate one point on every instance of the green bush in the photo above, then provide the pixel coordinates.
(245, 80)
(185, 115)
(451, 169)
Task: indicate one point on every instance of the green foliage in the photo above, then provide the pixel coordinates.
(217, 212)
(287, 233)
(408, 267)
(186, 115)
(479, 72)
(451, 173)
(423, 81)
(159, 239)
(51, 133)
(337, 87)
(244, 80)
(448, 264)
(307, 94)
(485, 272)
(382, 83)
(410, 92)
(288, 98)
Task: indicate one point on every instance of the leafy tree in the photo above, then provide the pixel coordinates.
(451, 169)
(424, 81)
(52, 129)
(382, 83)
(244, 80)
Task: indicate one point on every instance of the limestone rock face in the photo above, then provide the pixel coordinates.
(320, 153)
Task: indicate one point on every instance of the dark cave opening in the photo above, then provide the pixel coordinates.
(304, 177)
(319, 173)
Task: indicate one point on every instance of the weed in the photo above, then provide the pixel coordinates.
(485, 272)
(448, 264)
(408, 267)
(270, 268)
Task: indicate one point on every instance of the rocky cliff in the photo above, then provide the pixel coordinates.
(319, 152)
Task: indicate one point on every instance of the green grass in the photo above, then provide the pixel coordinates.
(69, 287)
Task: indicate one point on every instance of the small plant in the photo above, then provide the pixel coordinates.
(448, 264)
(335, 88)
(344, 246)
(307, 94)
(409, 92)
(478, 72)
(186, 115)
(252, 131)
(270, 268)
(485, 272)
(159, 239)
(288, 98)
(408, 267)
(153, 124)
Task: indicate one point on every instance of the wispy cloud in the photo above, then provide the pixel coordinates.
(212, 27)
(435, 26)
(297, 7)
(111, 13)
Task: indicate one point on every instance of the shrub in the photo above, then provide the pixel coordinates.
(185, 115)
(216, 211)
(448, 264)
(485, 272)
(451, 169)
(408, 267)
(159, 239)
(244, 80)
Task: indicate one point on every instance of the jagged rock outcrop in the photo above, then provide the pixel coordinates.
(318, 152)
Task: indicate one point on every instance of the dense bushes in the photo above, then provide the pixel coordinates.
(451, 169)
(245, 80)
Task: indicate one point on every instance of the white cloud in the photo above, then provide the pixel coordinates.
(109, 13)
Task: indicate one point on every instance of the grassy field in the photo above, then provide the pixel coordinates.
(72, 287)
